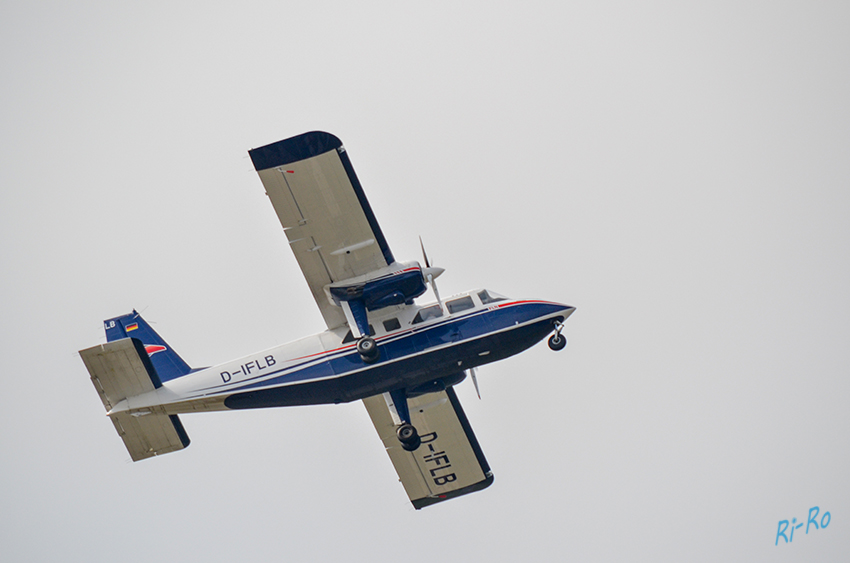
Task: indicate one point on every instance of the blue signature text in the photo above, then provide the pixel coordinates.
(786, 529)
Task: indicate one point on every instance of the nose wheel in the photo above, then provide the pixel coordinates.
(557, 341)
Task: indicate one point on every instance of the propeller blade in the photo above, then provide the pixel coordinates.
(425, 256)
(431, 273)
(434, 287)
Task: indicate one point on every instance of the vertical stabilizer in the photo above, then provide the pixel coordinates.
(167, 363)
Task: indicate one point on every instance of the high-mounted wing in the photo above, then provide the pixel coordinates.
(322, 207)
(449, 463)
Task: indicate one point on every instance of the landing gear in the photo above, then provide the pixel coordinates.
(408, 436)
(355, 314)
(368, 350)
(404, 430)
(556, 341)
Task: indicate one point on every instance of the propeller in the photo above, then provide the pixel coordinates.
(430, 273)
(471, 372)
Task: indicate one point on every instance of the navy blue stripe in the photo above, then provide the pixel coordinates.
(347, 350)
(367, 209)
(357, 381)
(300, 147)
(428, 501)
(350, 357)
(181, 432)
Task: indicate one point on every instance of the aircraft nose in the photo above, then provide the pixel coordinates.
(555, 310)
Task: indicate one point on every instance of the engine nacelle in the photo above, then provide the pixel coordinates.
(396, 284)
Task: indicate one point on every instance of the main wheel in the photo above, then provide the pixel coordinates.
(406, 432)
(368, 349)
(412, 446)
(557, 342)
(408, 436)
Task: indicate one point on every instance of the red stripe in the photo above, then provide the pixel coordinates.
(152, 349)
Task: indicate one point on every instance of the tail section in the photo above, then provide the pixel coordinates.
(135, 361)
(121, 370)
(166, 362)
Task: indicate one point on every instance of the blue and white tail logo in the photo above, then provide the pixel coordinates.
(167, 363)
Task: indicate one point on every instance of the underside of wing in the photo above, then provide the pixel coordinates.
(449, 463)
(322, 207)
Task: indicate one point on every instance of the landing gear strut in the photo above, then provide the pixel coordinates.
(404, 430)
(556, 341)
(355, 314)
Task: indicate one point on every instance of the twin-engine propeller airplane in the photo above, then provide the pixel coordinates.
(400, 358)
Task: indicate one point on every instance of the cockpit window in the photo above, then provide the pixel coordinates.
(432, 312)
(458, 305)
(490, 297)
(349, 337)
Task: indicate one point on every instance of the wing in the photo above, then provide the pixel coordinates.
(322, 207)
(449, 463)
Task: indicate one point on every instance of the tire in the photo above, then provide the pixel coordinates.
(409, 437)
(413, 446)
(406, 433)
(557, 342)
(368, 350)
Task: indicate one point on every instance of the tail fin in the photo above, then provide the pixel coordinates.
(167, 363)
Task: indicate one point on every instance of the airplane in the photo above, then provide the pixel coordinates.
(402, 359)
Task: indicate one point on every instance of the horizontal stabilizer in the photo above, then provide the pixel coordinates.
(120, 370)
(152, 434)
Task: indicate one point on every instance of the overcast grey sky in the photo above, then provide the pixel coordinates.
(677, 171)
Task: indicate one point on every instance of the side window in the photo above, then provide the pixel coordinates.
(432, 312)
(391, 325)
(350, 337)
(458, 305)
(486, 297)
